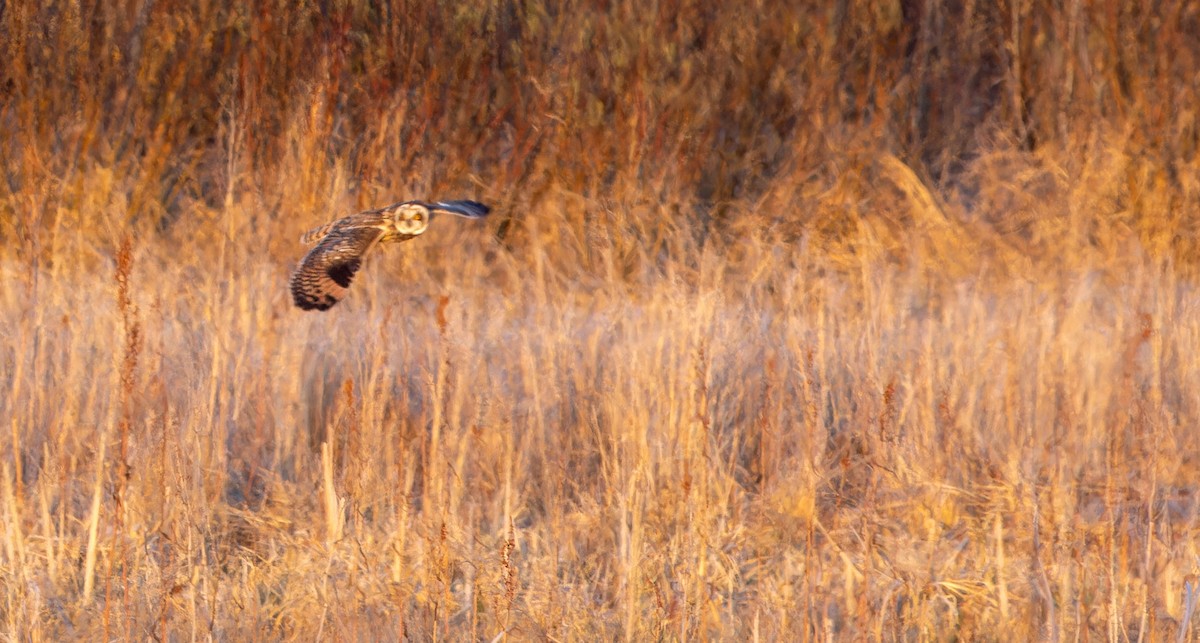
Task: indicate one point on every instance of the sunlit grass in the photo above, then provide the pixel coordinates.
(785, 325)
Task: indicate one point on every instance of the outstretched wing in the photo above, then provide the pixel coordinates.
(469, 209)
(325, 272)
(315, 235)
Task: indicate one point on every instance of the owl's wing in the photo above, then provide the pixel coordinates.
(315, 235)
(469, 209)
(325, 272)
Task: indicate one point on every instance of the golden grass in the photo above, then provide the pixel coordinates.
(872, 321)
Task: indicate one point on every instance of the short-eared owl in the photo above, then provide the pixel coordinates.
(325, 272)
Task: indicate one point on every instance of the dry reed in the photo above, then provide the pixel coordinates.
(863, 320)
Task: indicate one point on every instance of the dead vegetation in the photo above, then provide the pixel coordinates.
(875, 320)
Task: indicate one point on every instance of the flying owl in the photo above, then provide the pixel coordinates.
(321, 279)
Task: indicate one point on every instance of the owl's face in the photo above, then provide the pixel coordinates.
(411, 219)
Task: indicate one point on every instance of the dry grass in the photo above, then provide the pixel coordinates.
(869, 321)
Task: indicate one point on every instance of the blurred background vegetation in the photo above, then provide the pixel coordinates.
(728, 119)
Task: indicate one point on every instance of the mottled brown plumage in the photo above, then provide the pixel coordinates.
(326, 271)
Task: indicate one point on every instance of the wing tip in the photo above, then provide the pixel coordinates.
(310, 296)
(305, 302)
(465, 208)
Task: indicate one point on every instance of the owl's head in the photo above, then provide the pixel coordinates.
(411, 219)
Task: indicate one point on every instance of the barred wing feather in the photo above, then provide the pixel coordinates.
(325, 272)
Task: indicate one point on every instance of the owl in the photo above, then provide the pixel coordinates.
(321, 279)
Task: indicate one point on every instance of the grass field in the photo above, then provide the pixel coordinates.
(869, 321)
